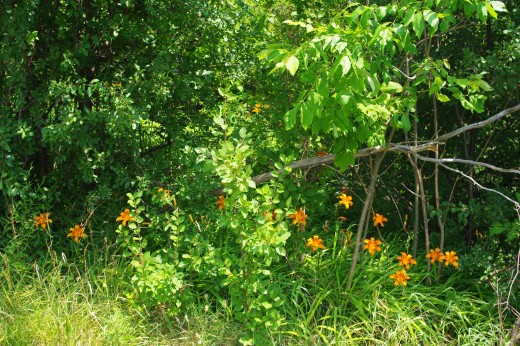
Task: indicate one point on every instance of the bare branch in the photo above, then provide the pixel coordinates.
(480, 186)
(328, 159)
(428, 146)
(477, 125)
(469, 162)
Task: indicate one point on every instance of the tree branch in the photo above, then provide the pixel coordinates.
(480, 186)
(477, 125)
(428, 146)
(468, 162)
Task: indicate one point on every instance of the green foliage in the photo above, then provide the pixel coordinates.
(254, 289)
(352, 86)
(150, 241)
(146, 109)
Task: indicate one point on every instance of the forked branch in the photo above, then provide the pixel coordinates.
(410, 149)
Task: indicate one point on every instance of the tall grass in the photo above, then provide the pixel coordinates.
(84, 302)
(65, 303)
(449, 311)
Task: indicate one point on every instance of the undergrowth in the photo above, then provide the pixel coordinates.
(82, 302)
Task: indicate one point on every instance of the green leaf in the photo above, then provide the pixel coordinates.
(376, 34)
(497, 228)
(391, 87)
(431, 18)
(344, 99)
(373, 82)
(290, 118)
(267, 305)
(462, 82)
(512, 234)
(438, 83)
(405, 122)
(356, 81)
(345, 65)
(442, 97)
(308, 76)
(478, 102)
(351, 144)
(323, 85)
(484, 85)
(418, 24)
(365, 17)
(292, 64)
(498, 6)
(344, 159)
(482, 12)
(306, 115)
(491, 11)
(344, 152)
(342, 120)
(310, 108)
(469, 9)
(445, 25)
(408, 17)
(242, 133)
(466, 104)
(362, 134)
(381, 12)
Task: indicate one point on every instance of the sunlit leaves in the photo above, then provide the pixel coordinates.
(431, 18)
(352, 86)
(442, 97)
(311, 107)
(392, 87)
(290, 118)
(482, 12)
(292, 64)
(418, 24)
(345, 65)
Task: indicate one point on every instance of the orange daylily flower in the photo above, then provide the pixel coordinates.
(315, 242)
(372, 245)
(221, 202)
(164, 191)
(125, 217)
(77, 232)
(379, 219)
(42, 220)
(435, 255)
(400, 277)
(405, 260)
(451, 258)
(299, 217)
(270, 216)
(258, 108)
(346, 200)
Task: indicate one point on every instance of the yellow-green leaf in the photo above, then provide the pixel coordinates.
(292, 64)
(442, 97)
(391, 87)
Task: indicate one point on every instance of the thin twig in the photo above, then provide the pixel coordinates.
(468, 162)
(480, 186)
(477, 125)
(431, 146)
